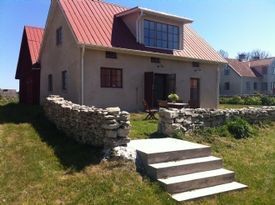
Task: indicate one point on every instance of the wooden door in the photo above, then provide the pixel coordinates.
(148, 88)
(194, 93)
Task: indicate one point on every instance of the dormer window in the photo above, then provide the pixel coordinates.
(161, 35)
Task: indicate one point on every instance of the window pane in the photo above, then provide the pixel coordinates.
(170, 45)
(159, 35)
(176, 45)
(159, 43)
(170, 37)
(170, 29)
(164, 36)
(176, 30)
(146, 24)
(164, 27)
(164, 44)
(151, 42)
(146, 33)
(152, 25)
(152, 34)
(146, 41)
(158, 26)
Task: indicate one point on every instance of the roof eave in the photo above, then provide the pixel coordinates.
(155, 13)
(150, 53)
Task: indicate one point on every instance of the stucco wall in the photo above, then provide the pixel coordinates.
(130, 97)
(237, 84)
(56, 59)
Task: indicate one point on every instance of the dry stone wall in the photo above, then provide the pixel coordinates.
(174, 120)
(107, 127)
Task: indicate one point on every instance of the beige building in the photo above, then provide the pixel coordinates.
(101, 54)
(248, 77)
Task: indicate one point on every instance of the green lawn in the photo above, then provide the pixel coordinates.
(39, 165)
(225, 106)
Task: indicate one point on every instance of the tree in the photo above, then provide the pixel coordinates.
(259, 54)
(253, 55)
(223, 53)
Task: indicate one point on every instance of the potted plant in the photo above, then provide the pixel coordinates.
(173, 97)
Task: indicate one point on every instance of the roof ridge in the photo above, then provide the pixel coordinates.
(109, 3)
(36, 27)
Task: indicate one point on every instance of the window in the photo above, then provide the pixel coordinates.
(226, 86)
(110, 54)
(255, 86)
(111, 78)
(248, 85)
(161, 35)
(227, 71)
(264, 70)
(273, 70)
(273, 86)
(264, 86)
(59, 36)
(195, 64)
(155, 60)
(50, 82)
(64, 80)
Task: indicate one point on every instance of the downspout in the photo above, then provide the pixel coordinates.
(82, 74)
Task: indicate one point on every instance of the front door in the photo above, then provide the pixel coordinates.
(194, 93)
(160, 88)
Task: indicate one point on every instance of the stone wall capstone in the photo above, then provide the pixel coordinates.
(100, 127)
(173, 120)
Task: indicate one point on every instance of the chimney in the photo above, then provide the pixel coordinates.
(256, 57)
(242, 57)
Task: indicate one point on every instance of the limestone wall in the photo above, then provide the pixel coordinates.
(89, 125)
(174, 120)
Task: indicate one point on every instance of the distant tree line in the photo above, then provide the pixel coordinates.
(252, 55)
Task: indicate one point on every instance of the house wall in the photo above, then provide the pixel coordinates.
(55, 59)
(270, 78)
(234, 79)
(251, 81)
(130, 97)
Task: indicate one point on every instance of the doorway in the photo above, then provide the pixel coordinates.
(194, 93)
(157, 86)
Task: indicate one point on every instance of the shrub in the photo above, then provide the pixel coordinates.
(253, 100)
(239, 128)
(235, 100)
(266, 100)
(173, 97)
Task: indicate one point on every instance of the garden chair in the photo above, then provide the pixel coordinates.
(150, 112)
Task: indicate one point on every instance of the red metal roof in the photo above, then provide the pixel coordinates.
(261, 62)
(94, 23)
(34, 38)
(242, 68)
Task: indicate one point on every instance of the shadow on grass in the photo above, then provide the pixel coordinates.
(156, 135)
(71, 155)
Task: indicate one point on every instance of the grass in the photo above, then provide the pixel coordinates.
(232, 106)
(39, 165)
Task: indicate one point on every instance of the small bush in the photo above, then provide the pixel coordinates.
(268, 100)
(253, 100)
(239, 128)
(236, 100)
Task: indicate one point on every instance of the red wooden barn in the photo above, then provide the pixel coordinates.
(28, 69)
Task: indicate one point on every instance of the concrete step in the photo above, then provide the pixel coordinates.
(180, 167)
(167, 149)
(197, 180)
(199, 193)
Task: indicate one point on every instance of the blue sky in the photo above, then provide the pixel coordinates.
(231, 25)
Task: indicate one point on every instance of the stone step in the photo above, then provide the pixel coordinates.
(168, 149)
(199, 193)
(180, 167)
(197, 180)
